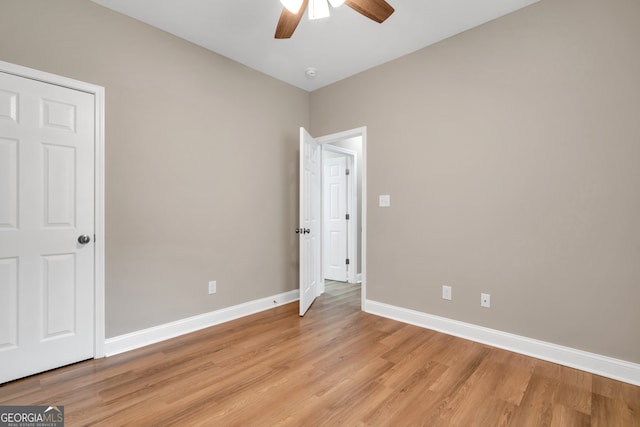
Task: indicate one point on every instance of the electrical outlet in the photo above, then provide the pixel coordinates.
(212, 287)
(485, 300)
(446, 292)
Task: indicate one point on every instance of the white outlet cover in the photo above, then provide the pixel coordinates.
(485, 300)
(213, 287)
(384, 201)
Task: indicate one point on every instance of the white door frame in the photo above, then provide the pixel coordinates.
(352, 207)
(98, 92)
(332, 139)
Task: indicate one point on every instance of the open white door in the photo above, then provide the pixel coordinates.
(46, 226)
(310, 220)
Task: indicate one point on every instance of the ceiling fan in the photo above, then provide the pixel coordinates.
(377, 10)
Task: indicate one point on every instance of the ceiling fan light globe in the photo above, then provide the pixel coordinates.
(336, 3)
(318, 9)
(292, 6)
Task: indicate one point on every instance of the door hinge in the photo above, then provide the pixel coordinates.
(347, 261)
(347, 216)
(347, 172)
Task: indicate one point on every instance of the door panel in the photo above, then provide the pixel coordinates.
(58, 115)
(310, 219)
(46, 202)
(59, 186)
(8, 183)
(8, 105)
(8, 303)
(58, 295)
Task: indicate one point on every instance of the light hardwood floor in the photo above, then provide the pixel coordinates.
(337, 366)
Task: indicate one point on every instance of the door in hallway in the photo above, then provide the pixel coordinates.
(335, 218)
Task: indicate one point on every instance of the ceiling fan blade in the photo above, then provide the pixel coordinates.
(289, 21)
(377, 10)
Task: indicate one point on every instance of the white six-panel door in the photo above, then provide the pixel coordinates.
(46, 203)
(310, 220)
(335, 223)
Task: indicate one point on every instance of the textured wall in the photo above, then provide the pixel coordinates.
(511, 154)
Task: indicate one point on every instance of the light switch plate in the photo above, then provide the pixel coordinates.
(446, 292)
(384, 201)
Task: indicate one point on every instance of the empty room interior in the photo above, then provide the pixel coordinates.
(494, 260)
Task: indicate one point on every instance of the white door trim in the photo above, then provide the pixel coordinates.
(333, 138)
(98, 92)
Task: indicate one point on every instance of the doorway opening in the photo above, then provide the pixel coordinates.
(344, 242)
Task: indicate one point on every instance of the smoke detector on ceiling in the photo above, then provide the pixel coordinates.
(311, 73)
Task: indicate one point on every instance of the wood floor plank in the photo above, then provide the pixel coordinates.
(516, 374)
(420, 357)
(479, 387)
(399, 405)
(336, 366)
(564, 416)
(536, 408)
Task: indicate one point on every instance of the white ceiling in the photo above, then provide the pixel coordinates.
(342, 45)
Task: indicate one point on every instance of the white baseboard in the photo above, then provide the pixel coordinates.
(166, 331)
(590, 362)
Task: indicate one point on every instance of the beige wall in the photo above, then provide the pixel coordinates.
(201, 160)
(512, 156)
